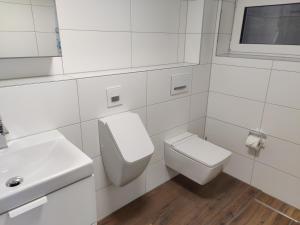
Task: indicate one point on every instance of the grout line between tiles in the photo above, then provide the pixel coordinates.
(261, 122)
(242, 66)
(266, 96)
(34, 25)
(120, 31)
(131, 36)
(207, 105)
(245, 128)
(178, 30)
(79, 112)
(254, 100)
(236, 96)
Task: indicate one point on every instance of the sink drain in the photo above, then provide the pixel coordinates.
(14, 182)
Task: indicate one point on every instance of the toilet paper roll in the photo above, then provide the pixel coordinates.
(253, 142)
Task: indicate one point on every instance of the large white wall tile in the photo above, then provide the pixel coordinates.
(181, 48)
(284, 89)
(47, 44)
(30, 109)
(90, 138)
(201, 78)
(73, 134)
(155, 15)
(240, 167)
(157, 174)
(286, 65)
(168, 115)
(240, 81)
(42, 2)
(223, 41)
(238, 111)
(18, 1)
(93, 99)
(228, 136)
(255, 63)
(105, 15)
(111, 198)
(30, 67)
(192, 48)
(206, 48)
(197, 127)
(281, 155)
(276, 183)
(101, 180)
(158, 154)
(282, 122)
(183, 17)
(198, 106)
(154, 49)
(15, 17)
(226, 21)
(45, 19)
(195, 16)
(210, 16)
(93, 50)
(159, 84)
(12, 44)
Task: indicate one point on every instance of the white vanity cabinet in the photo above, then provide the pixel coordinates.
(72, 205)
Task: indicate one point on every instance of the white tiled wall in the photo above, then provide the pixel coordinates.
(74, 107)
(244, 93)
(120, 33)
(101, 35)
(258, 94)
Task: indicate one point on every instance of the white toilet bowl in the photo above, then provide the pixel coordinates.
(195, 158)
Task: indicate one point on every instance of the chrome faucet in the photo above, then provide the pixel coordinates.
(3, 133)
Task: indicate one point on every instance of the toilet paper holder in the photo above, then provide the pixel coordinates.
(256, 133)
(256, 140)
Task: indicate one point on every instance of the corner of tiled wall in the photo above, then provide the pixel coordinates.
(248, 94)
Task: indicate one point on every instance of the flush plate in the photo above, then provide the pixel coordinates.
(114, 96)
(180, 84)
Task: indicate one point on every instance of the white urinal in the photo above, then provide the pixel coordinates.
(125, 146)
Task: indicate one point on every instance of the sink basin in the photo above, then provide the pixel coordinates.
(46, 162)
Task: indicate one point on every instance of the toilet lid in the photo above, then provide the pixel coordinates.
(202, 151)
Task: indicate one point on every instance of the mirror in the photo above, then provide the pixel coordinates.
(29, 28)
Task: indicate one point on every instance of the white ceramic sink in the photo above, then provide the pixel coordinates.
(46, 162)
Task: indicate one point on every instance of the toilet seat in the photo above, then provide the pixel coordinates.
(201, 151)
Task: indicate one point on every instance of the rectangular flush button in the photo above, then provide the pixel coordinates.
(180, 84)
(114, 96)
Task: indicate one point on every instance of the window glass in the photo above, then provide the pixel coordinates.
(274, 25)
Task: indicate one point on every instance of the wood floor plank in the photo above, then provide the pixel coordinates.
(224, 201)
(280, 206)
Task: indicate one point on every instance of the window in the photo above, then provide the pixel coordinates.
(267, 27)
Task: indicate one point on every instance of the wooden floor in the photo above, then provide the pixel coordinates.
(224, 201)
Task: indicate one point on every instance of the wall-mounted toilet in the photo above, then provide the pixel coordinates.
(195, 158)
(125, 146)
